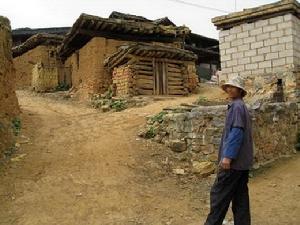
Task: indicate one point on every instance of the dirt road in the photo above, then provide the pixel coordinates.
(77, 166)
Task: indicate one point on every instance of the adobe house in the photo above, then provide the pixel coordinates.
(39, 48)
(148, 69)
(92, 39)
(9, 108)
(262, 44)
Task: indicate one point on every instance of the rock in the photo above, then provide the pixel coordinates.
(105, 108)
(178, 145)
(203, 168)
(179, 171)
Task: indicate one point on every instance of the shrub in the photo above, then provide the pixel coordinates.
(16, 126)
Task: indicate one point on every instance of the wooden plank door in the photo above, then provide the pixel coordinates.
(161, 78)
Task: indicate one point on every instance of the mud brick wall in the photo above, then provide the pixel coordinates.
(9, 109)
(199, 131)
(25, 63)
(123, 81)
(193, 79)
(44, 78)
(264, 46)
(88, 74)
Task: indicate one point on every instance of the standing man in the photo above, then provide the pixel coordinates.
(235, 160)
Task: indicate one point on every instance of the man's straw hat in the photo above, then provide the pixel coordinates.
(235, 81)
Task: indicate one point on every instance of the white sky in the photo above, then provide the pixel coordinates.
(56, 13)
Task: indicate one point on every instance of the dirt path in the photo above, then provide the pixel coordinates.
(83, 167)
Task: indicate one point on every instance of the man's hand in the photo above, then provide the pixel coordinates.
(225, 163)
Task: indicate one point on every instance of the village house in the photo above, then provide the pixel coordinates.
(262, 44)
(40, 51)
(92, 40)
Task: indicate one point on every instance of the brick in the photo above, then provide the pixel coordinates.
(276, 34)
(257, 44)
(247, 26)
(261, 23)
(243, 61)
(243, 34)
(223, 33)
(290, 60)
(249, 40)
(237, 42)
(251, 66)
(271, 42)
(264, 50)
(237, 55)
(227, 70)
(277, 19)
(231, 50)
(264, 36)
(273, 55)
(230, 37)
(244, 47)
(277, 48)
(265, 64)
(284, 25)
(250, 52)
(238, 68)
(258, 58)
(286, 53)
(286, 39)
(278, 62)
(226, 57)
(270, 28)
(235, 30)
(224, 45)
(231, 63)
(256, 31)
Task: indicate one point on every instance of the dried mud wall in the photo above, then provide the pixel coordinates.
(25, 63)
(9, 109)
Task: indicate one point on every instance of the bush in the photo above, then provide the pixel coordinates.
(16, 126)
(158, 117)
(118, 105)
(151, 132)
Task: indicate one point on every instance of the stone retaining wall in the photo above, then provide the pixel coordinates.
(198, 131)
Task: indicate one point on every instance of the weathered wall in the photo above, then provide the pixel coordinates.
(44, 78)
(9, 109)
(198, 132)
(24, 63)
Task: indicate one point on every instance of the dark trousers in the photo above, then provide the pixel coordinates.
(230, 185)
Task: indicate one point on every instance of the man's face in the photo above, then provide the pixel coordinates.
(233, 92)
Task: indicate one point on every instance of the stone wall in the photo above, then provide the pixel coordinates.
(9, 109)
(198, 131)
(44, 78)
(25, 63)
